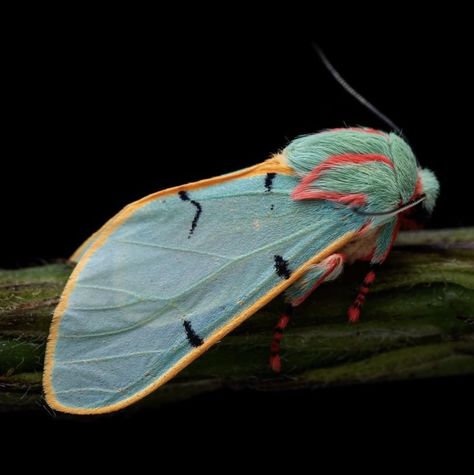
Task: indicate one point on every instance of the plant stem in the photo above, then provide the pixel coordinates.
(418, 322)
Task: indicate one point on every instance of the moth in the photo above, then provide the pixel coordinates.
(173, 273)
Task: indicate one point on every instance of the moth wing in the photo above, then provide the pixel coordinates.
(271, 166)
(171, 275)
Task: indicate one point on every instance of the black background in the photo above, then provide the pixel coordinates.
(100, 113)
(102, 116)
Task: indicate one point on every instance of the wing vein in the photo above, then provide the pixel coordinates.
(170, 300)
(81, 390)
(140, 298)
(106, 307)
(122, 330)
(238, 195)
(171, 248)
(245, 256)
(112, 357)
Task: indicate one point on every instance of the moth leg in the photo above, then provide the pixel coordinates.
(354, 310)
(275, 360)
(383, 244)
(328, 269)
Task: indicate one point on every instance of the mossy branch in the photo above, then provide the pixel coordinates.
(418, 322)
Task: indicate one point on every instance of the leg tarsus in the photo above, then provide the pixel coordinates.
(354, 310)
(275, 360)
(326, 270)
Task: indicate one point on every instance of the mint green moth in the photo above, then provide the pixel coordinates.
(173, 273)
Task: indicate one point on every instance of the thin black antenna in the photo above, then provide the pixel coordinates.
(352, 91)
(394, 211)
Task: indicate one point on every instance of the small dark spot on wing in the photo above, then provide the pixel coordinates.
(193, 338)
(281, 267)
(269, 181)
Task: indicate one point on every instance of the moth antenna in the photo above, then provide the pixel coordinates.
(335, 74)
(392, 212)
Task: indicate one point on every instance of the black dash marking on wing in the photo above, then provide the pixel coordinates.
(193, 338)
(196, 216)
(281, 266)
(185, 197)
(269, 181)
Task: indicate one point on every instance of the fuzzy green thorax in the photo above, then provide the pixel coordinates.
(370, 170)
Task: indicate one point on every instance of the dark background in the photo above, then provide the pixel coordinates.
(101, 116)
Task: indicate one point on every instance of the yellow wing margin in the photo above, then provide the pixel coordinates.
(274, 165)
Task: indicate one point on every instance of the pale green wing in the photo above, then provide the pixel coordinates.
(169, 279)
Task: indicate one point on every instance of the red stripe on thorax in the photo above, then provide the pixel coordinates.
(346, 159)
(358, 129)
(356, 199)
(303, 190)
(418, 189)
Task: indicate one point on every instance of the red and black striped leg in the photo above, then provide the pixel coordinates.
(354, 310)
(275, 360)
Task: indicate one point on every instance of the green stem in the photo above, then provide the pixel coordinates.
(418, 322)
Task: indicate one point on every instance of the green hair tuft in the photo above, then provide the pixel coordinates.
(430, 188)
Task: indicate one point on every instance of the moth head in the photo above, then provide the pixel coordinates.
(418, 187)
(430, 188)
(426, 193)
